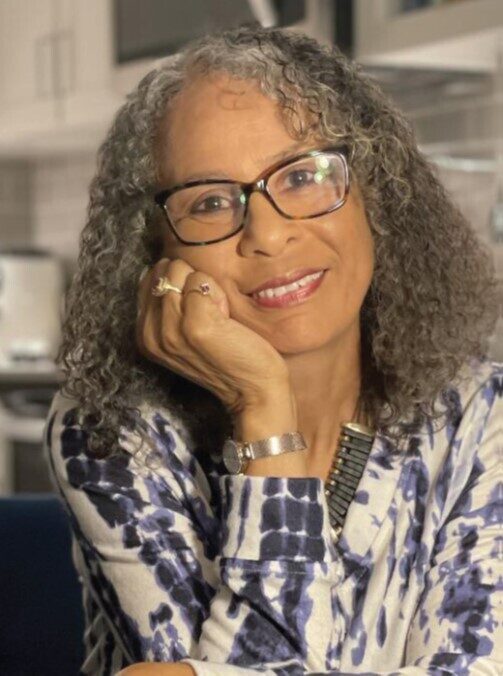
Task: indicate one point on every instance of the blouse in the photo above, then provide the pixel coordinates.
(239, 575)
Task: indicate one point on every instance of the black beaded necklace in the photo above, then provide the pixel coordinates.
(355, 442)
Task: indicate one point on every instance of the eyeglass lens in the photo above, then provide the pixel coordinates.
(301, 189)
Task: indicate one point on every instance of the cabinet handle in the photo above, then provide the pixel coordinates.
(43, 67)
(64, 63)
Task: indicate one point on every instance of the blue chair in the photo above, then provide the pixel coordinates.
(41, 615)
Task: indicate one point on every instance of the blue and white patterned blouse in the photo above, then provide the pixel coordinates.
(181, 561)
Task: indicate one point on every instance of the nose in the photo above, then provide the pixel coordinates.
(265, 231)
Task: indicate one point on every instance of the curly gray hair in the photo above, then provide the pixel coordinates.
(432, 302)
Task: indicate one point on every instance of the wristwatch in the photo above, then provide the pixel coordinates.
(236, 455)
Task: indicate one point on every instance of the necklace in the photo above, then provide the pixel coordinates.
(355, 442)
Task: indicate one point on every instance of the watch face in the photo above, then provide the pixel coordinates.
(231, 457)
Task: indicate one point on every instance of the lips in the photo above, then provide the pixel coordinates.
(296, 296)
(285, 279)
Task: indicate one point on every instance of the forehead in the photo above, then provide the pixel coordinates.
(225, 125)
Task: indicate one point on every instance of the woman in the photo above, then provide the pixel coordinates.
(254, 158)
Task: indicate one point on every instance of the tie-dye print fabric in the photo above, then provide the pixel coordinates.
(238, 575)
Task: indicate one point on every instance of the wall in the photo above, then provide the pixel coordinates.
(475, 193)
(60, 189)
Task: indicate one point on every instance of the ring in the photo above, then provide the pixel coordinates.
(203, 289)
(162, 286)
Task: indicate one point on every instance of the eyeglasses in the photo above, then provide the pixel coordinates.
(305, 186)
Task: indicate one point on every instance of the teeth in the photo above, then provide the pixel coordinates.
(281, 290)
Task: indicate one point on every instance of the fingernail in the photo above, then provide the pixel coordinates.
(144, 272)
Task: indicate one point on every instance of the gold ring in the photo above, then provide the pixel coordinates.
(203, 289)
(162, 286)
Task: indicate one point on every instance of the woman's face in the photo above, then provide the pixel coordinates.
(222, 127)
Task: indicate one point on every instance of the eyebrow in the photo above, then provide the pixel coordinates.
(268, 161)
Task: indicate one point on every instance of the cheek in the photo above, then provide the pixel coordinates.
(360, 262)
(363, 250)
(213, 260)
(352, 243)
(349, 236)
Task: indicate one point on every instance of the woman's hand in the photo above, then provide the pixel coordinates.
(157, 669)
(195, 336)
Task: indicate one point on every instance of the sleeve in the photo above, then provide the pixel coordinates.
(263, 601)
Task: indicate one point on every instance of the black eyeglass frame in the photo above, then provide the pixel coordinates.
(259, 185)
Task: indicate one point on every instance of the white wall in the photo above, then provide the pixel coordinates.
(60, 196)
(475, 193)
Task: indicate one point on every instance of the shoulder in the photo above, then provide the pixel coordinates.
(466, 430)
(156, 443)
(158, 424)
(478, 396)
(471, 398)
(465, 446)
(475, 399)
(481, 427)
(479, 376)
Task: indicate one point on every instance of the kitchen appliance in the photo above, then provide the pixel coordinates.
(31, 299)
(31, 306)
(23, 413)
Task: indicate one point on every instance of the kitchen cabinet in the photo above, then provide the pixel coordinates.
(87, 61)
(56, 72)
(26, 72)
(456, 35)
(60, 85)
(25, 28)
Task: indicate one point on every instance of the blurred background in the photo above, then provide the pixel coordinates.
(65, 67)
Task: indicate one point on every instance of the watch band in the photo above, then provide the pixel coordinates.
(236, 454)
(275, 445)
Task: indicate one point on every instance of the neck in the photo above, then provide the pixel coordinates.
(326, 384)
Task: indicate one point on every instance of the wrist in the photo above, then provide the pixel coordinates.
(273, 415)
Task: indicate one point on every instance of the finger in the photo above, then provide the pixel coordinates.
(168, 314)
(146, 281)
(149, 325)
(178, 272)
(149, 309)
(202, 316)
(144, 284)
(216, 293)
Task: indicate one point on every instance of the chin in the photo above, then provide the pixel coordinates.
(296, 344)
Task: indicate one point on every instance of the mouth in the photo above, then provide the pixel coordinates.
(290, 294)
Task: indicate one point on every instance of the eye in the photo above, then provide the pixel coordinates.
(298, 178)
(211, 203)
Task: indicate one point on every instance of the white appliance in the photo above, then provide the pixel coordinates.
(23, 413)
(31, 303)
(31, 307)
